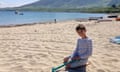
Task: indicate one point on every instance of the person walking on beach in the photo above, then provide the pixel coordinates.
(55, 20)
(82, 52)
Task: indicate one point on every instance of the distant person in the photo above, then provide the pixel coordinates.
(82, 52)
(55, 20)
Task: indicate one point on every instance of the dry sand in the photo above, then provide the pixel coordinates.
(39, 47)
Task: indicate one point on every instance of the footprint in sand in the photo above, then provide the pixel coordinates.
(18, 69)
(100, 70)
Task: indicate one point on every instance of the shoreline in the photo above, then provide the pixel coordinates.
(10, 23)
(46, 22)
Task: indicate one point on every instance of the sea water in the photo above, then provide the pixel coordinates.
(9, 17)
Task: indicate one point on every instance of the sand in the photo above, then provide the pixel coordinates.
(39, 47)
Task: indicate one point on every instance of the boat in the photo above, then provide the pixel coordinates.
(95, 18)
(18, 13)
(112, 16)
(21, 14)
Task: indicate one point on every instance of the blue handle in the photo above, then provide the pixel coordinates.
(64, 64)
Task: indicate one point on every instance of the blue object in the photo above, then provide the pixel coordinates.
(62, 65)
(115, 40)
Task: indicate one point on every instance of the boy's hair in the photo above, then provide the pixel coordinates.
(80, 27)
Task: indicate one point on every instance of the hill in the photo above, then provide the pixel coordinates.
(94, 6)
(72, 3)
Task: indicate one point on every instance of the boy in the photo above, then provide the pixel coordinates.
(82, 52)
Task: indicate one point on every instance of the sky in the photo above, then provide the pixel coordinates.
(14, 3)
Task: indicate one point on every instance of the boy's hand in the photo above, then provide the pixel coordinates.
(66, 59)
(67, 66)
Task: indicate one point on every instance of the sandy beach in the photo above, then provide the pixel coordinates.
(39, 47)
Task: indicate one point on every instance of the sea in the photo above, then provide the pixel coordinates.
(28, 17)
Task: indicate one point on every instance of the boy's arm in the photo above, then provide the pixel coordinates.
(73, 56)
(88, 52)
(66, 59)
(75, 53)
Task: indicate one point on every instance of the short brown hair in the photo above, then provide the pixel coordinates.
(80, 27)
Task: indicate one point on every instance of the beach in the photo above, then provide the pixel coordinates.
(39, 47)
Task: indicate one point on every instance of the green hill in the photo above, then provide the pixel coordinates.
(72, 3)
(94, 6)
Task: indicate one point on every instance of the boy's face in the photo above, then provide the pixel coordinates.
(81, 33)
